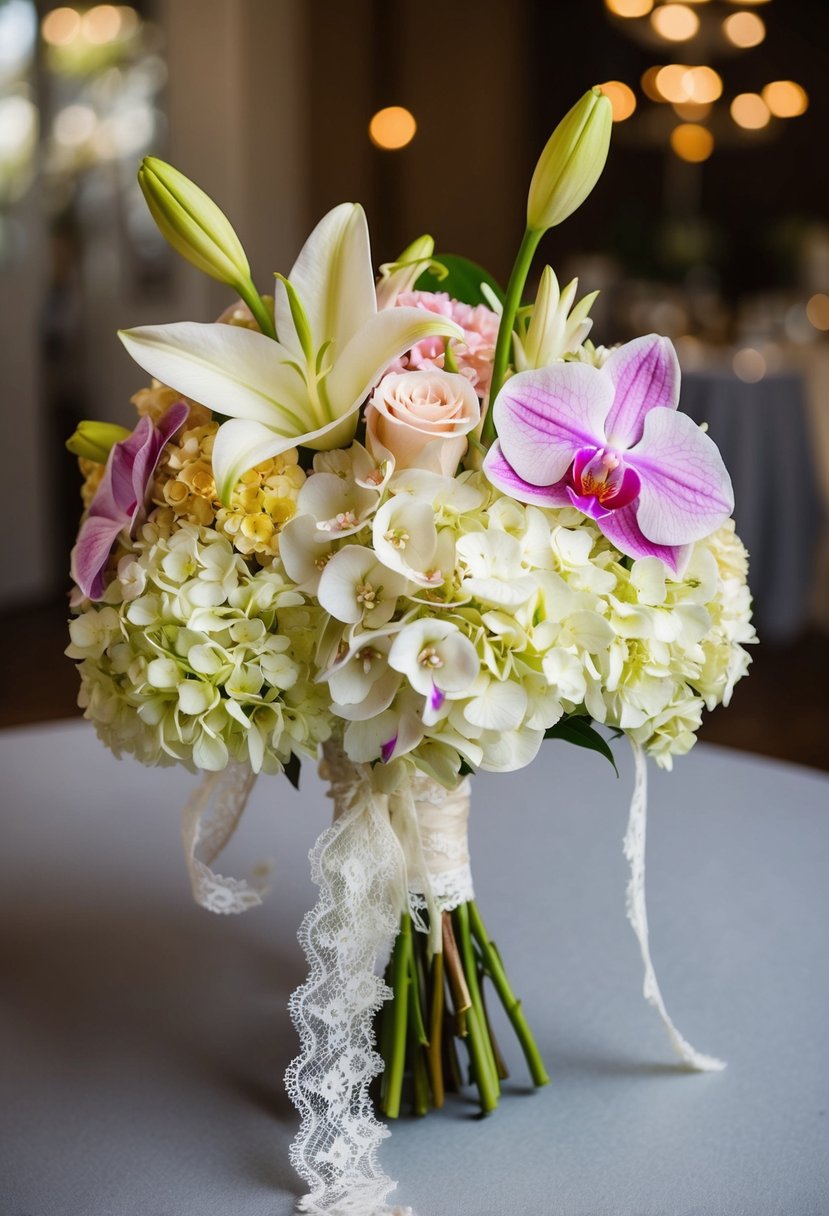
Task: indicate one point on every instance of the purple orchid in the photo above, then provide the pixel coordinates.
(120, 497)
(610, 441)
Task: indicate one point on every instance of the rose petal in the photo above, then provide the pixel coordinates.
(645, 374)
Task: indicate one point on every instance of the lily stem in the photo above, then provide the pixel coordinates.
(256, 305)
(512, 302)
(495, 970)
(480, 1047)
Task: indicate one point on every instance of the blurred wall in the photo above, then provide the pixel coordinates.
(235, 106)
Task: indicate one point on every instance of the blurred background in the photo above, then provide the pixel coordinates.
(711, 225)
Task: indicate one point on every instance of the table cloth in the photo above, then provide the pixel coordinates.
(763, 431)
(144, 1040)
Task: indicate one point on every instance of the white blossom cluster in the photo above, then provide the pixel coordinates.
(194, 658)
(462, 624)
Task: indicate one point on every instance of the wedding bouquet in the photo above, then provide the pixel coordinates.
(413, 526)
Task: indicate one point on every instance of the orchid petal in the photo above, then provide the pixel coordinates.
(96, 536)
(622, 530)
(333, 278)
(235, 371)
(543, 417)
(686, 491)
(645, 374)
(503, 476)
(380, 340)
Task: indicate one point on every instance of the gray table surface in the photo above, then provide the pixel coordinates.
(144, 1040)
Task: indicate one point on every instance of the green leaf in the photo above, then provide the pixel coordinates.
(292, 769)
(462, 281)
(579, 731)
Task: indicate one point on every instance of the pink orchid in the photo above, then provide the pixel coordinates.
(121, 496)
(610, 441)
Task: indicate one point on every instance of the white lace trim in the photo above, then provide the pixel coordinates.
(637, 912)
(359, 867)
(208, 821)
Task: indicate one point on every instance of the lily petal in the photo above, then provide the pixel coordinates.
(686, 491)
(544, 417)
(622, 530)
(645, 373)
(235, 371)
(382, 338)
(333, 278)
(504, 477)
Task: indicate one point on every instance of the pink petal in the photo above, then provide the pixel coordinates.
(147, 449)
(90, 555)
(543, 417)
(504, 477)
(621, 529)
(686, 491)
(645, 374)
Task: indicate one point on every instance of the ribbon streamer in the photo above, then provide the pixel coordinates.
(637, 913)
(208, 821)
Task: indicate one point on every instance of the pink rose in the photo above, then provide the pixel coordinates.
(422, 419)
(473, 356)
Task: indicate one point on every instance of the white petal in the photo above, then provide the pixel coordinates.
(235, 371)
(499, 705)
(340, 581)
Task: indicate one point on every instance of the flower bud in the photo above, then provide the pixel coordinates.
(95, 440)
(571, 162)
(192, 223)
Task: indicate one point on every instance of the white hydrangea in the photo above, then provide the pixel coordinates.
(465, 625)
(197, 660)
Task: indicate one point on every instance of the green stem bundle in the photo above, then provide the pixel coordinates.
(438, 1000)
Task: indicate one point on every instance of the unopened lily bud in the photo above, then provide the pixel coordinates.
(401, 276)
(571, 163)
(95, 440)
(192, 223)
(556, 328)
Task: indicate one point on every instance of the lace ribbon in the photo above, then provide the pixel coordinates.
(637, 912)
(208, 821)
(359, 866)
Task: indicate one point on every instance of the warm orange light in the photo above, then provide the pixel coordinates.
(749, 365)
(101, 24)
(60, 26)
(692, 111)
(649, 85)
(675, 22)
(629, 8)
(702, 84)
(622, 99)
(750, 111)
(692, 142)
(670, 82)
(785, 99)
(817, 310)
(744, 29)
(392, 128)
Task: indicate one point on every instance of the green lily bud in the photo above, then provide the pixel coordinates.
(571, 162)
(95, 440)
(192, 223)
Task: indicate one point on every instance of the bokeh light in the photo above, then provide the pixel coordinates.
(749, 364)
(629, 8)
(101, 24)
(61, 26)
(702, 84)
(785, 99)
(670, 82)
(74, 125)
(622, 99)
(649, 85)
(392, 128)
(692, 142)
(744, 29)
(675, 22)
(750, 111)
(817, 310)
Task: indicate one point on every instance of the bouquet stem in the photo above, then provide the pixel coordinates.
(438, 1000)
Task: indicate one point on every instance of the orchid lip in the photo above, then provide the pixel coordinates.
(387, 749)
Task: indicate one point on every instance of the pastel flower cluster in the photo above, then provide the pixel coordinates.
(193, 659)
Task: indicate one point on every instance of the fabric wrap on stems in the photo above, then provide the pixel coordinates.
(637, 912)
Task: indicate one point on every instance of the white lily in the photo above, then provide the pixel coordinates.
(556, 327)
(306, 388)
